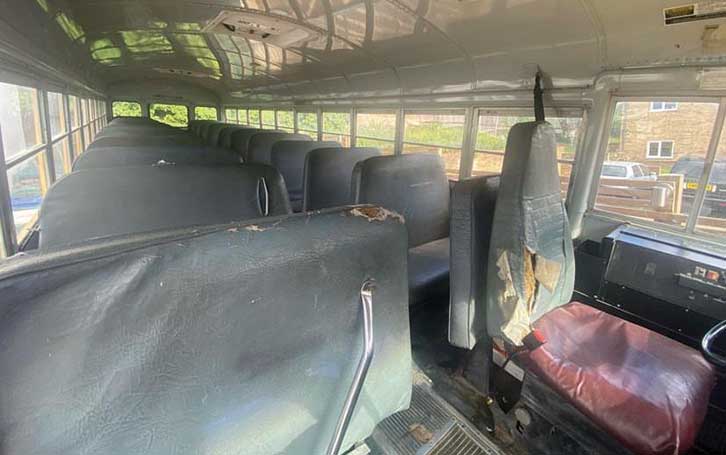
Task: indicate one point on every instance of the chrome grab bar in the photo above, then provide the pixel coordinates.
(366, 300)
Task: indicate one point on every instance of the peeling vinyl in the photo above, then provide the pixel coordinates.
(376, 214)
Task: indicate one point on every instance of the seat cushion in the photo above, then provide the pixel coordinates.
(647, 391)
(428, 271)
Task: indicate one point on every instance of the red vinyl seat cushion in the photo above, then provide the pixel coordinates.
(647, 391)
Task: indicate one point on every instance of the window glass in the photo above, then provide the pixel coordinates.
(491, 141)
(56, 114)
(286, 121)
(125, 109)
(376, 130)
(74, 111)
(663, 187)
(377, 125)
(77, 144)
(230, 115)
(20, 119)
(336, 127)
(84, 111)
(307, 121)
(712, 216)
(268, 119)
(441, 133)
(61, 157)
(242, 116)
(205, 113)
(27, 185)
(254, 117)
(176, 115)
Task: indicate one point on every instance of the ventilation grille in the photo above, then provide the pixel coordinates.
(261, 27)
(694, 12)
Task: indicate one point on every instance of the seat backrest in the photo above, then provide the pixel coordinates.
(413, 185)
(204, 130)
(327, 175)
(147, 155)
(225, 136)
(531, 266)
(214, 131)
(288, 157)
(116, 201)
(242, 338)
(240, 140)
(471, 216)
(261, 145)
(130, 140)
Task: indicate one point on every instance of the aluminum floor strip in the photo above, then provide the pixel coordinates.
(429, 427)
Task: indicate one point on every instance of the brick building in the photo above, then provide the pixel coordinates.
(658, 133)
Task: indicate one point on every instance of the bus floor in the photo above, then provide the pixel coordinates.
(445, 414)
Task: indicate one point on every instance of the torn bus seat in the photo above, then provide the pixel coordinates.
(647, 391)
(114, 201)
(260, 145)
(472, 212)
(531, 266)
(416, 187)
(240, 338)
(327, 175)
(288, 157)
(147, 155)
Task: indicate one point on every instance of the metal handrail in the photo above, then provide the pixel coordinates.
(366, 300)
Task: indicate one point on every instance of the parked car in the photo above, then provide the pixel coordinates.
(714, 205)
(626, 170)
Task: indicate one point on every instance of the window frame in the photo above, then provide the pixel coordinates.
(141, 106)
(185, 106)
(689, 231)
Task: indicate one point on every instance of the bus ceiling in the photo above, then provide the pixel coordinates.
(300, 50)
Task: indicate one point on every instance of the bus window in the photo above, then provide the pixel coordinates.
(23, 135)
(712, 215)
(253, 118)
(336, 127)
(125, 109)
(376, 130)
(671, 146)
(285, 121)
(491, 140)
(242, 117)
(230, 116)
(176, 115)
(268, 119)
(205, 113)
(307, 122)
(441, 133)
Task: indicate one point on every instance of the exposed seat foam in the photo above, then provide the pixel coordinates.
(648, 391)
(288, 157)
(260, 146)
(147, 155)
(242, 340)
(327, 176)
(416, 187)
(115, 201)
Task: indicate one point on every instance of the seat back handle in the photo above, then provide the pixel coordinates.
(366, 300)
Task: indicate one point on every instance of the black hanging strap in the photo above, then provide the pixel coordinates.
(539, 113)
